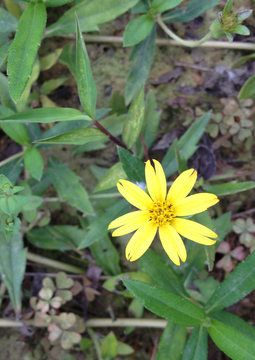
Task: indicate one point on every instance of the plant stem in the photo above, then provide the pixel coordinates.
(55, 264)
(110, 136)
(15, 156)
(96, 343)
(105, 196)
(166, 42)
(180, 40)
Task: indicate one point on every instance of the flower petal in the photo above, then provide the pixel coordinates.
(182, 186)
(161, 178)
(171, 239)
(125, 219)
(194, 204)
(131, 226)
(153, 182)
(133, 194)
(140, 241)
(194, 231)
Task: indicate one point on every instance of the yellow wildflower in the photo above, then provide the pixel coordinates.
(163, 211)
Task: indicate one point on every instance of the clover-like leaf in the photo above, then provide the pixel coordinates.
(239, 226)
(63, 282)
(65, 295)
(41, 319)
(43, 306)
(66, 320)
(69, 338)
(46, 293)
(48, 283)
(56, 302)
(33, 302)
(79, 325)
(55, 332)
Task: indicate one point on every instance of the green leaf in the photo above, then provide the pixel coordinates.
(57, 237)
(137, 30)
(236, 323)
(124, 349)
(150, 123)
(163, 5)
(134, 120)
(228, 7)
(16, 132)
(68, 57)
(86, 84)
(248, 88)
(239, 283)
(75, 137)
(194, 9)
(8, 22)
(132, 165)
(5, 96)
(142, 57)
(24, 47)
(12, 267)
(161, 274)
(172, 342)
(242, 60)
(12, 169)
(111, 177)
(46, 115)
(54, 3)
(50, 85)
(196, 262)
(68, 186)
(98, 229)
(33, 203)
(33, 162)
(236, 345)
(109, 347)
(186, 145)
(196, 347)
(4, 51)
(8, 204)
(229, 188)
(166, 304)
(90, 14)
(242, 30)
(47, 61)
(223, 225)
(106, 256)
(181, 163)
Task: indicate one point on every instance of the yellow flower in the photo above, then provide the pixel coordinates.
(163, 211)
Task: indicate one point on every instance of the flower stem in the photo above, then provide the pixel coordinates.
(180, 40)
(15, 156)
(55, 264)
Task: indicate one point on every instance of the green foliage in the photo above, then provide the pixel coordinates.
(196, 347)
(137, 30)
(231, 187)
(33, 161)
(24, 47)
(132, 165)
(111, 177)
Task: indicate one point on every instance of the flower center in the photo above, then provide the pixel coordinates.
(161, 213)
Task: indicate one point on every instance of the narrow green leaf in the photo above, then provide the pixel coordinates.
(137, 30)
(248, 88)
(90, 14)
(86, 84)
(124, 349)
(228, 7)
(172, 342)
(50, 85)
(57, 237)
(181, 163)
(99, 228)
(165, 304)
(132, 165)
(150, 123)
(197, 346)
(236, 323)
(33, 162)
(8, 22)
(142, 57)
(161, 274)
(111, 177)
(54, 3)
(68, 57)
(16, 132)
(222, 225)
(194, 9)
(186, 145)
(239, 283)
(236, 345)
(68, 186)
(195, 262)
(24, 47)
(47, 61)
(106, 256)
(12, 267)
(134, 121)
(238, 63)
(4, 51)
(75, 137)
(163, 5)
(242, 30)
(46, 115)
(229, 188)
